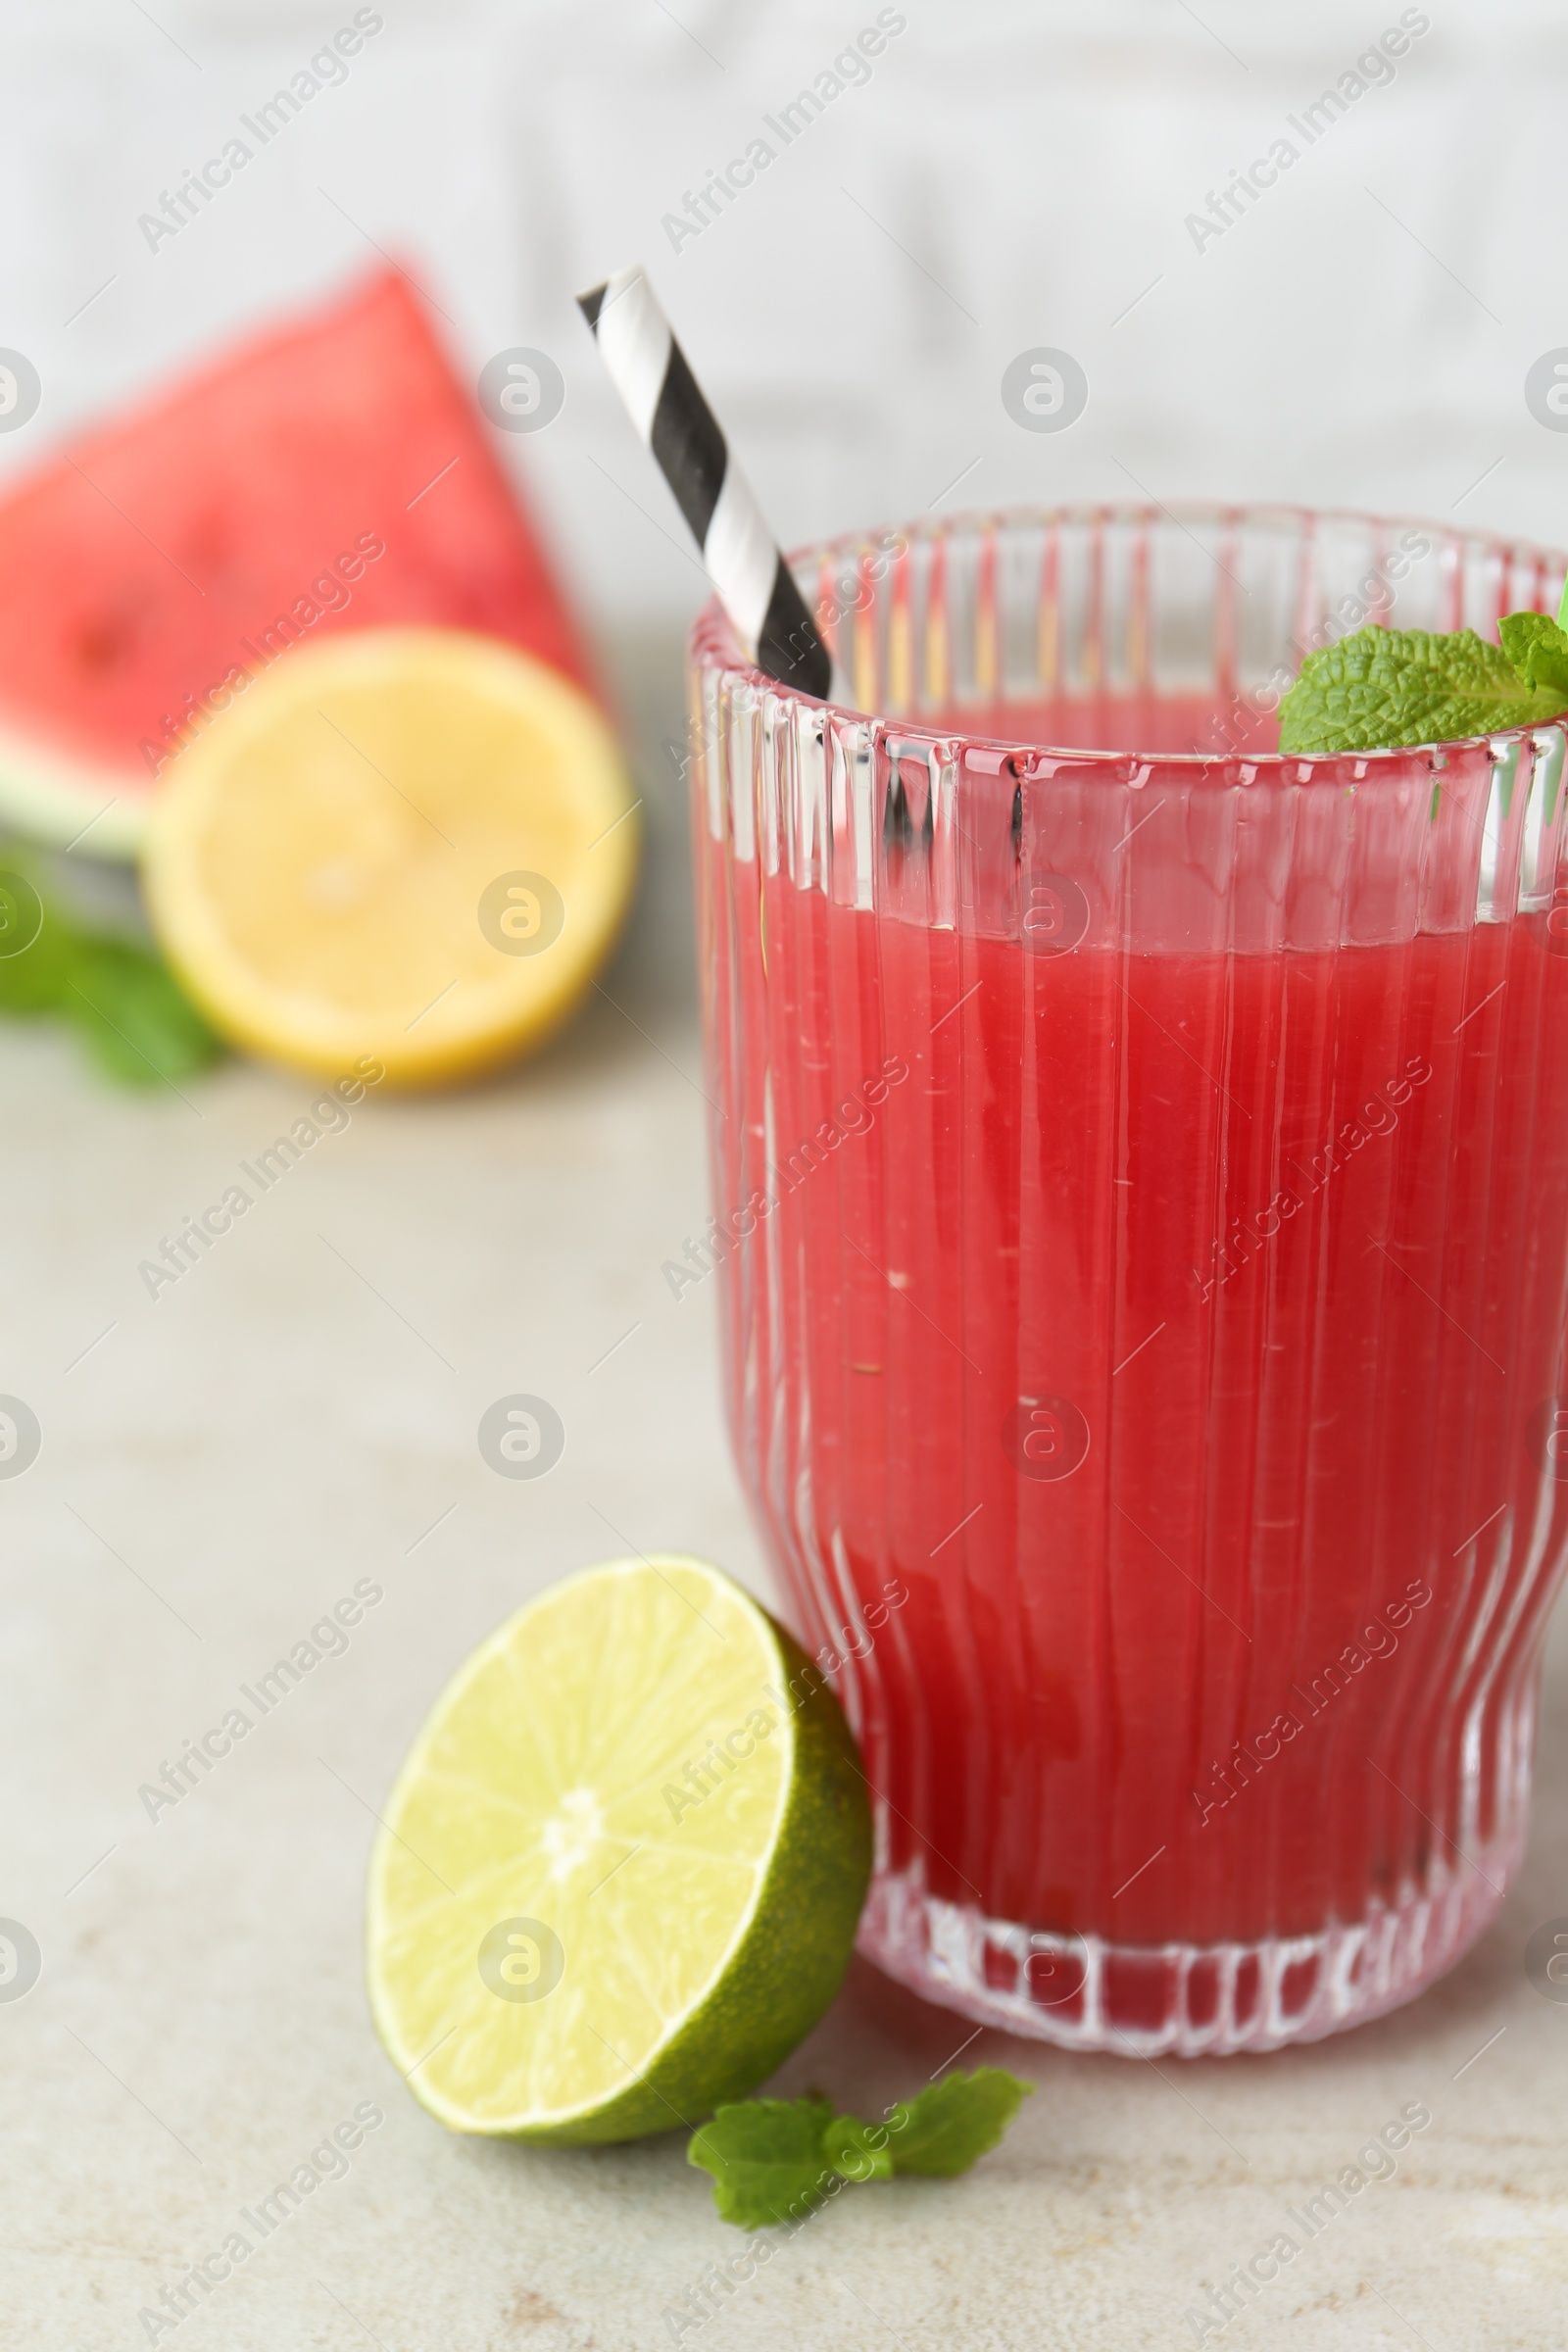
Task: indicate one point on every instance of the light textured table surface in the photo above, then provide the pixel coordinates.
(299, 1412)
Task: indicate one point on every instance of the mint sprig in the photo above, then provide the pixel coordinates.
(775, 2161)
(949, 2126)
(1383, 689)
(119, 996)
(1537, 648)
(766, 2158)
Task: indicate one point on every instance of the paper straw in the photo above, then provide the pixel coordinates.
(740, 553)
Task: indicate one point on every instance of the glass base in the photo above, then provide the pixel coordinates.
(1194, 2001)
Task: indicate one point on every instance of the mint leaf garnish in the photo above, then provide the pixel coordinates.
(32, 979)
(774, 2160)
(1537, 648)
(858, 2152)
(949, 2126)
(120, 999)
(1379, 689)
(765, 2156)
(138, 1024)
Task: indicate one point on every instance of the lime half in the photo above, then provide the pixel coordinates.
(620, 1871)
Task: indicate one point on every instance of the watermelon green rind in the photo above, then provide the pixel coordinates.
(64, 800)
(158, 563)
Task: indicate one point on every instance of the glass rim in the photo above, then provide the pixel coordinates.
(712, 638)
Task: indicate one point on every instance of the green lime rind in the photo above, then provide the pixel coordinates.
(547, 1748)
(793, 1954)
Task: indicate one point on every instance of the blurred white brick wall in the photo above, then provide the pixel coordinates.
(1015, 173)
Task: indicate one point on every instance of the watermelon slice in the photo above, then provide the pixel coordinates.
(331, 474)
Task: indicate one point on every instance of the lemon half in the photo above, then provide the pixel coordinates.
(413, 845)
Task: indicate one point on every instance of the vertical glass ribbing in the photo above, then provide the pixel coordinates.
(1147, 1175)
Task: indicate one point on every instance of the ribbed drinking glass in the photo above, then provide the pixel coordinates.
(1140, 1177)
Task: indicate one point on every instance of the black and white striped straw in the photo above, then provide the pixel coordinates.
(740, 553)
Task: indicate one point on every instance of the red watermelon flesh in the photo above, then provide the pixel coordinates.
(158, 562)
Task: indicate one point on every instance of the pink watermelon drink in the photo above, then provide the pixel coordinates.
(1143, 1189)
